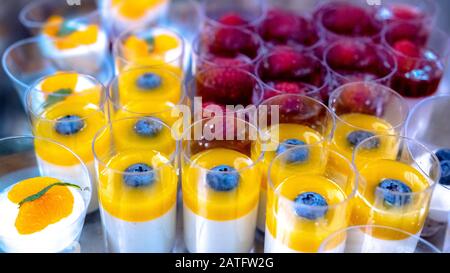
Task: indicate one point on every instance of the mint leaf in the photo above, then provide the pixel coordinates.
(150, 40)
(66, 28)
(57, 96)
(38, 195)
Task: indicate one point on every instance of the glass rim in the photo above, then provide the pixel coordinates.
(107, 128)
(187, 158)
(215, 23)
(441, 55)
(380, 25)
(32, 89)
(315, 101)
(80, 161)
(379, 48)
(431, 182)
(267, 55)
(423, 103)
(25, 21)
(335, 94)
(333, 235)
(348, 197)
(114, 84)
(117, 47)
(196, 42)
(433, 11)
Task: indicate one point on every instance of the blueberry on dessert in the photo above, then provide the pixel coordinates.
(139, 175)
(222, 178)
(69, 125)
(445, 173)
(310, 205)
(394, 192)
(443, 154)
(149, 81)
(356, 137)
(147, 127)
(295, 155)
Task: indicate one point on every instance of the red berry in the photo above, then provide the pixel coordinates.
(229, 41)
(357, 98)
(406, 12)
(407, 48)
(288, 64)
(278, 88)
(232, 19)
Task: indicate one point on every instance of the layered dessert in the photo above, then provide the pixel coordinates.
(74, 44)
(137, 194)
(392, 194)
(41, 214)
(70, 115)
(440, 203)
(127, 14)
(284, 136)
(157, 47)
(220, 201)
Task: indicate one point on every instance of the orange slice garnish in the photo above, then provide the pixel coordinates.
(60, 81)
(54, 205)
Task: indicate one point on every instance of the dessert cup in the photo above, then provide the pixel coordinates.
(355, 60)
(421, 56)
(310, 190)
(292, 120)
(53, 222)
(123, 15)
(68, 35)
(134, 160)
(221, 185)
(149, 46)
(69, 108)
(362, 110)
(289, 70)
(361, 239)
(25, 62)
(145, 91)
(427, 124)
(397, 181)
(424, 12)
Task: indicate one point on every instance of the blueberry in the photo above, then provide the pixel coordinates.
(149, 81)
(310, 205)
(445, 173)
(443, 154)
(356, 137)
(394, 192)
(139, 175)
(147, 127)
(69, 125)
(222, 178)
(296, 155)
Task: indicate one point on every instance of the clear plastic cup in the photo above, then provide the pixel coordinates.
(19, 162)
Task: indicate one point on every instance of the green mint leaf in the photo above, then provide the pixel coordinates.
(57, 96)
(150, 40)
(38, 195)
(66, 28)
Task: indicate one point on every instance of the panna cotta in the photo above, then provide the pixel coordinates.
(123, 15)
(74, 44)
(65, 107)
(220, 200)
(41, 214)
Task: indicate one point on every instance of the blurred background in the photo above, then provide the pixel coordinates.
(12, 116)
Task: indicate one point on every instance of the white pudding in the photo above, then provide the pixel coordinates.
(154, 236)
(54, 238)
(72, 173)
(83, 58)
(361, 242)
(202, 235)
(272, 245)
(261, 223)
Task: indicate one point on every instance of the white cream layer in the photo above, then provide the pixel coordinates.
(54, 238)
(261, 223)
(157, 235)
(202, 235)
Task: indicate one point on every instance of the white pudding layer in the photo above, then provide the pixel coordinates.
(361, 242)
(74, 173)
(440, 204)
(157, 235)
(261, 223)
(202, 235)
(54, 238)
(272, 245)
(83, 58)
